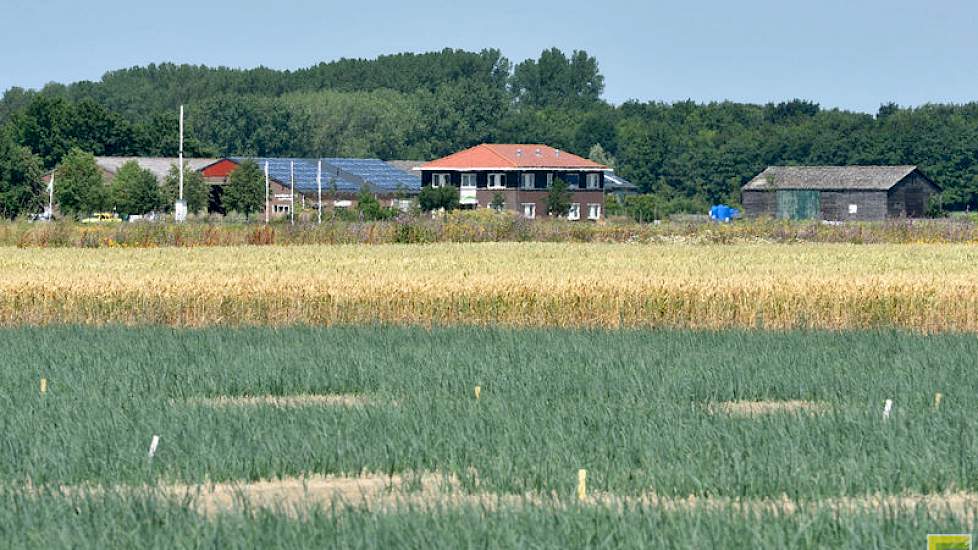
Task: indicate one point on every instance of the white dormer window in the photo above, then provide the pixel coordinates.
(440, 180)
(497, 181)
(468, 181)
(593, 181)
(529, 180)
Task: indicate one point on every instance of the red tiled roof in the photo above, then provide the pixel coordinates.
(511, 156)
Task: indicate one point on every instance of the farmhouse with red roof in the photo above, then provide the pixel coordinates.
(519, 177)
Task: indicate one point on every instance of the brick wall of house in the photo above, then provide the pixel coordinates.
(514, 200)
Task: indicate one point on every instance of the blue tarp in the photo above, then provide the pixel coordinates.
(723, 213)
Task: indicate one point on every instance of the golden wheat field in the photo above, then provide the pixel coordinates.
(923, 287)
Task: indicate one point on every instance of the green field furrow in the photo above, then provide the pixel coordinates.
(632, 407)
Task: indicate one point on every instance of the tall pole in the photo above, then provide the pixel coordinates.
(319, 188)
(292, 191)
(267, 204)
(51, 198)
(181, 152)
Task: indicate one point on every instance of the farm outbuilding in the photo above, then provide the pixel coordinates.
(159, 166)
(839, 193)
(342, 180)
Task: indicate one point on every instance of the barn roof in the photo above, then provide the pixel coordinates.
(855, 178)
(407, 165)
(159, 166)
(614, 182)
(512, 157)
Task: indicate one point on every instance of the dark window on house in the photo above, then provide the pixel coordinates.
(573, 180)
(440, 180)
(497, 181)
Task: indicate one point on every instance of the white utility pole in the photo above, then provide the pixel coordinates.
(268, 204)
(292, 191)
(51, 198)
(180, 208)
(319, 188)
(181, 152)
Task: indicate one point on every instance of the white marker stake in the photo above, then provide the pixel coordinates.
(582, 485)
(937, 400)
(153, 445)
(887, 408)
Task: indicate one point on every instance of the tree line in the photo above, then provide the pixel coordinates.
(684, 155)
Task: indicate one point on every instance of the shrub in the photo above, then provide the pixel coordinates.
(437, 198)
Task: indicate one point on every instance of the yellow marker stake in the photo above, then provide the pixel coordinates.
(44, 385)
(937, 399)
(478, 392)
(582, 485)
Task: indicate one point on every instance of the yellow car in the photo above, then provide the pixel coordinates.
(103, 217)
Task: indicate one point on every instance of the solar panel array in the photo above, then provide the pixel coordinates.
(279, 169)
(348, 175)
(380, 175)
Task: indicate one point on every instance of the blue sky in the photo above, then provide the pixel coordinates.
(853, 54)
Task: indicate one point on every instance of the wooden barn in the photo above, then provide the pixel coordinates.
(839, 193)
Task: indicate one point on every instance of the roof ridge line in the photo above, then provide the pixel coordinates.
(493, 151)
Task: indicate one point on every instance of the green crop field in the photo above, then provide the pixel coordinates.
(674, 457)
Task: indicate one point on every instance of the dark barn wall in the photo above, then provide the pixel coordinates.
(909, 197)
(870, 205)
(759, 203)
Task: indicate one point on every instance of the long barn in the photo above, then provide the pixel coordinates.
(839, 193)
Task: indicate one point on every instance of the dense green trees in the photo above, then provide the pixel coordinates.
(420, 106)
(352, 124)
(245, 125)
(51, 126)
(437, 198)
(369, 208)
(135, 190)
(195, 191)
(79, 189)
(245, 191)
(556, 80)
(21, 189)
